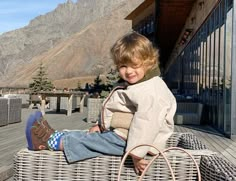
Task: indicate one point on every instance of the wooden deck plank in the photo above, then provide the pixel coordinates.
(213, 139)
(218, 146)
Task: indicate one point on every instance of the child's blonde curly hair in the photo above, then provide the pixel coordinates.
(136, 50)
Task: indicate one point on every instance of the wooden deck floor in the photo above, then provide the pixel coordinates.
(12, 137)
(213, 139)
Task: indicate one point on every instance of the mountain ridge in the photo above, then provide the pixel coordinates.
(88, 47)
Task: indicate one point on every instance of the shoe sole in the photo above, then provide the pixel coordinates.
(31, 120)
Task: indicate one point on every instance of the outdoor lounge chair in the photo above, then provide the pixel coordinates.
(3, 111)
(188, 113)
(94, 109)
(10, 110)
(52, 165)
(14, 110)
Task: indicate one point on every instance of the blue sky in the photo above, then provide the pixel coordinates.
(16, 14)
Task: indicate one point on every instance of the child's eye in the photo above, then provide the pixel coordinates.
(136, 65)
(122, 66)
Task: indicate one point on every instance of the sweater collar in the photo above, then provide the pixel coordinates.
(150, 74)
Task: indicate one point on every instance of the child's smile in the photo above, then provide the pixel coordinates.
(131, 74)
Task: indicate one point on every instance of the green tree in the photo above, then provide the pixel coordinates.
(41, 81)
(78, 85)
(112, 78)
(97, 83)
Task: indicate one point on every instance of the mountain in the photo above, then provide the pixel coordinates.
(72, 42)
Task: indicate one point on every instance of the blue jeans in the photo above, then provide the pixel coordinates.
(80, 145)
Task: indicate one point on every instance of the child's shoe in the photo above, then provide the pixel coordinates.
(38, 132)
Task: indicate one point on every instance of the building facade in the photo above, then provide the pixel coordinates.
(204, 68)
(201, 65)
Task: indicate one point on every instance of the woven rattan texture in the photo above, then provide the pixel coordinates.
(64, 103)
(3, 111)
(94, 109)
(14, 110)
(47, 165)
(190, 141)
(215, 168)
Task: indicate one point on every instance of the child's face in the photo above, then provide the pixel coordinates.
(131, 73)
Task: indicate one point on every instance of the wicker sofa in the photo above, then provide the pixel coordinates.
(94, 108)
(47, 165)
(215, 168)
(188, 113)
(3, 111)
(14, 110)
(10, 110)
(64, 103)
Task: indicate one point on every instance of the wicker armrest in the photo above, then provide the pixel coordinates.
(215, 168)
(186, 141)
(173, 140)
(190, 141)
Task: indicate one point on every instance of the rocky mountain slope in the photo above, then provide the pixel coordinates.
(73, 41)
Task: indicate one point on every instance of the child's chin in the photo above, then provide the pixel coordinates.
(132, 81)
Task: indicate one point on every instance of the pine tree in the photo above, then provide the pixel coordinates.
(97, 82)
(40, 81)
(112, 78)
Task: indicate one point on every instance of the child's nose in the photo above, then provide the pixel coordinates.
(128, 70)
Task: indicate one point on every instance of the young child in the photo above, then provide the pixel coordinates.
(145, 96)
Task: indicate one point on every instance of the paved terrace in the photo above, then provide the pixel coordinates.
(12, 137)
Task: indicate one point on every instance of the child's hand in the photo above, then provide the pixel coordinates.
(139, 164)
(94, 129)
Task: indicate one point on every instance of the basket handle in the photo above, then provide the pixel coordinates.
(193, 159)
(172, 148)
(160, 153)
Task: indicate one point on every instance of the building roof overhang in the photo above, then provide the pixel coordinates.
(171, 16)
